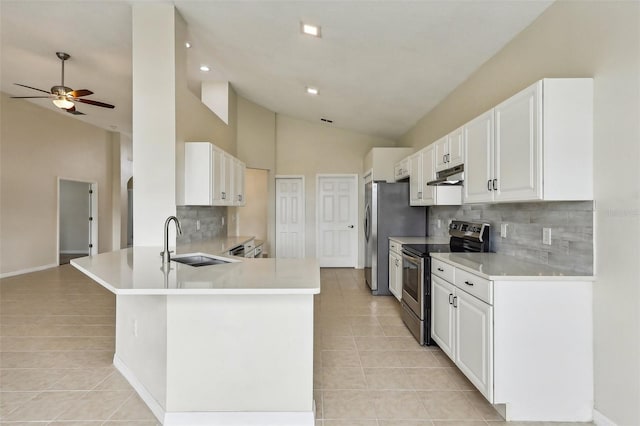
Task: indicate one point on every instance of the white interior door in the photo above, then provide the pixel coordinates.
(337, 220)
(290, 217)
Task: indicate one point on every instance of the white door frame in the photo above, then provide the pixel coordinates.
(304, 212)
(93, 233)
(354, 209)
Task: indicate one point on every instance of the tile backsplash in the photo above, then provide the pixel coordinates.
(571, 224)
(211, 220)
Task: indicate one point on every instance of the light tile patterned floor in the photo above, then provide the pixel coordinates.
(57, 343)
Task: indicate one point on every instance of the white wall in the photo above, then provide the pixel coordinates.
(599, 40)
(37, 146)
(252, 218)
(308, 149)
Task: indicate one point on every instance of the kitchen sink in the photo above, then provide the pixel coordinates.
(201, 260)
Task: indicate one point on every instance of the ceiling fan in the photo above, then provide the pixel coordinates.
(64, 97)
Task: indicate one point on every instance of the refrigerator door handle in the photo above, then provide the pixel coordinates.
(367, 222)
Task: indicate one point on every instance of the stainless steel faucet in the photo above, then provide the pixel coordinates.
(166, 256)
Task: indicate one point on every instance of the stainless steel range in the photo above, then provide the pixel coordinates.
(416, 273)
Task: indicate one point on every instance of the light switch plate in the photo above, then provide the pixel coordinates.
(546, 236)
(503, 230)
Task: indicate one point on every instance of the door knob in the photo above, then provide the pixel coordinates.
(350, 226)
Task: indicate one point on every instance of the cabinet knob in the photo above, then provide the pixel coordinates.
(350, 226)
(440, 269)
(495, 184)
(468, 283)
(455, 301)
(450, 299)
(489, 185)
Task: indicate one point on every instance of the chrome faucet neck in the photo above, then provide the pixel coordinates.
(166, 254)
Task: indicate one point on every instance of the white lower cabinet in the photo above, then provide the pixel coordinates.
(395, 269)
(462, 326)
(474, 341)
(526, 343)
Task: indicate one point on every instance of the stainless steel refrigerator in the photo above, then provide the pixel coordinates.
(387, 214)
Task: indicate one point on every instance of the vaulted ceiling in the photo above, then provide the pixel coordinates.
(379, 65)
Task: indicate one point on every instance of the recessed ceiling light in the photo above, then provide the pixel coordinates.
(204, 68)
(312, 90)
(311, 30)
(187, 45)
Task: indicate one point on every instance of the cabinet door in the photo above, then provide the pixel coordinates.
(393, 265)
(456, 147)
(198, 174)
(518, 148)
(218, 177)
(398, 277)
(238, 183)
(441, 153)
(478, 163)
(442, 315)
(428, 174)
(474, 341)
(415, 179)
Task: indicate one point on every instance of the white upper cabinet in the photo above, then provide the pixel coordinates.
(415, 179)
(449, 150)
(536, 145)
(428, 174)
(212, 176)
(382, 161)
(478, 163)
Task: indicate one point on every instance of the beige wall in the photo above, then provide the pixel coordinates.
(308, 149)
(599, 40)
(37, 146)
(257, 148)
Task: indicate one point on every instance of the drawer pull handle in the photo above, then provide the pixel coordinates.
(468, 283)
(440, 269)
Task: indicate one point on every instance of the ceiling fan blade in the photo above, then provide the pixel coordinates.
(34, 88)
(74, 111)
(96, 103)
(29, 97)
(79, 93)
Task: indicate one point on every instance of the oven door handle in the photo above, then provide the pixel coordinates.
(411, 258)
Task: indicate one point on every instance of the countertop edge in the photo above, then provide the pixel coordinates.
(444, 257)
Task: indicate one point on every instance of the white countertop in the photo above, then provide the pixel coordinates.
(496, 267)
(420, 240)
(139, 271)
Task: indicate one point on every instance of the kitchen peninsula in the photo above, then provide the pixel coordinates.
(221, 344)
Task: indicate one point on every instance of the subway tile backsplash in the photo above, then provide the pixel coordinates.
(211, 223)
(571, 224)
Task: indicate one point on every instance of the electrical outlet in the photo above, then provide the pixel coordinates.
(546, 236)
(135, 328)
(503, 230)
(222, 220)
(197, 224)
(439, 223)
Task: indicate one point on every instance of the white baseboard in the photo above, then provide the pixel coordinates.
(601, 420)
(211, 418)
(231, 418)
(146, 396)
(27, 270)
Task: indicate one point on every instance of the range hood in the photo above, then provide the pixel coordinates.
(452, 176)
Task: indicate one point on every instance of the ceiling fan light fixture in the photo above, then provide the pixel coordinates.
(63, 103)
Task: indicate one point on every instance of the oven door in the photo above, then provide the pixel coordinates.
(413, 283)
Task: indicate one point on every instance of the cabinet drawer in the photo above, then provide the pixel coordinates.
(475, 285)
(443, 270)
(395, 247)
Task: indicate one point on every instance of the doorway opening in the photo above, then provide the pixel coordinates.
(77, 219)
(252, 218)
